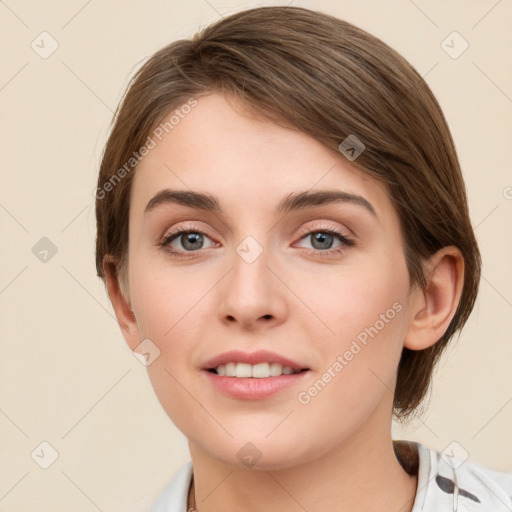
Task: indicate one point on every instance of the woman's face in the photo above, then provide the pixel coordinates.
(253, 275)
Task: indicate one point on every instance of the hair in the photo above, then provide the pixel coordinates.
(329, 79)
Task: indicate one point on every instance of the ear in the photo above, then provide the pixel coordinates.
(432, 310)
(122, 307)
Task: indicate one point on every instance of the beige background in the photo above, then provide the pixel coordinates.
(66, 375)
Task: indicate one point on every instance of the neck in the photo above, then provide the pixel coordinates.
(361, 474)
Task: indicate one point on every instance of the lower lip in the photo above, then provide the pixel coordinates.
(253, 388)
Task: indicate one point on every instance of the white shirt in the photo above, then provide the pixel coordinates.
(445, 483)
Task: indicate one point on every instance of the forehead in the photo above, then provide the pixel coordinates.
(247, 162)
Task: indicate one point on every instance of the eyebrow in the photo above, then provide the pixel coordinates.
(294, 201)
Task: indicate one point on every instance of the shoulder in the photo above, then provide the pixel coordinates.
(173, 497)
(491, 484)
(448, 480)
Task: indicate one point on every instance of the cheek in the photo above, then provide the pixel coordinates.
(340, 304)
(166, 302)
(172, 309)
(360, 337)
(357, 377)
(172, 316)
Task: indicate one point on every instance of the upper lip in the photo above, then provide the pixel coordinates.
(260, 356)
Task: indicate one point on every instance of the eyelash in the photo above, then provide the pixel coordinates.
(346, 241)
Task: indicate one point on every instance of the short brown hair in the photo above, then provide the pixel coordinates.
(329, 79)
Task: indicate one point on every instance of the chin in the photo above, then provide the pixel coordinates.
(263, 455)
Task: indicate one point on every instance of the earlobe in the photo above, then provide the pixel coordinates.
(432, 310)
(122, 307)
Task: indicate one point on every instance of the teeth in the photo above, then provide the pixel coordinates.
(257, 371)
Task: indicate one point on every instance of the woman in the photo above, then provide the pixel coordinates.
(284, 234)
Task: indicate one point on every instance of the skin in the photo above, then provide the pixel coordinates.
(335, 452)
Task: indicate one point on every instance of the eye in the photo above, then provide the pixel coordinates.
(190, 240)
(322, 240)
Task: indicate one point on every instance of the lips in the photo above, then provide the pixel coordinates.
(260, 356)
(253, 389)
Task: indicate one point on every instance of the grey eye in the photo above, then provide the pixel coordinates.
(191, 241)
(322, 240)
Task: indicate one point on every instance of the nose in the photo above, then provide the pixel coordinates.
(253, 294)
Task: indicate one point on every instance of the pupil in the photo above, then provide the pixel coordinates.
(190, 240)
(322, 238)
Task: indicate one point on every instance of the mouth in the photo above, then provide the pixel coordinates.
(253, 375)
(254, 371)
(243, 381)
(259, 364)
